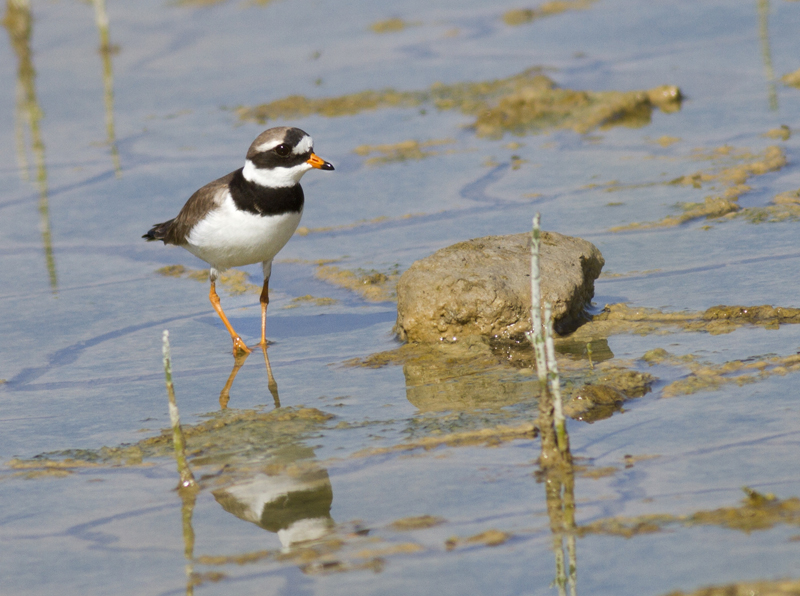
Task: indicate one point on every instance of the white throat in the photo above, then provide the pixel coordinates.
(274, 177)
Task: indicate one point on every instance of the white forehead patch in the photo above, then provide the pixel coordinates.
(274, 177)
(304, 146)
(268, 145)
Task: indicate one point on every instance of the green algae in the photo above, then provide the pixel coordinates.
(320, 557)
(491, 537)
(606, 394)
(349, 547)
(522, 16)
(234, 282)
(312, 300)
(590, 403)
(717, 320)
(756, 512)
(630, 383)
(792, 79)
(225, 436)
(198, 579)
(705, 376)
(666, 140)
(44, 468)
(540, 106)
(785, 587)
(371, 284)
(485, 436)
(331, 555)
(418, 522)
(782, 133)
(391, 25)
(525, 103)
(784, 206)
(410, 150)
(702, 376)
(584, 469)
(732, 168)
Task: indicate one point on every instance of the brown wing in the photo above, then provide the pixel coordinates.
(208, 198)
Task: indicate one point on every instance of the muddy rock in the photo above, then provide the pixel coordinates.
(483, 287)
(600, 400)
(594, 402)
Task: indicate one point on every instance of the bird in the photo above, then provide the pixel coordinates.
(247, 216)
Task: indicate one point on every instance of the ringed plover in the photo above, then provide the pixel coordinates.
(247, 216)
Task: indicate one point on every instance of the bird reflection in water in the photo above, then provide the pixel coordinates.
(290, 496)
(238, 362)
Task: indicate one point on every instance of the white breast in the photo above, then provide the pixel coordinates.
(228, 237)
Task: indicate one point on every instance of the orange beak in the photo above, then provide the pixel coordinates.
(316, 161)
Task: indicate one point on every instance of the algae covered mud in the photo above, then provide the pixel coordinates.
(663, 133)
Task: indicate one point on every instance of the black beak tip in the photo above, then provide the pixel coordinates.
(327, 166)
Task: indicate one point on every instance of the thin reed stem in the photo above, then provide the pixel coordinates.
(535, 334)
(178, 442)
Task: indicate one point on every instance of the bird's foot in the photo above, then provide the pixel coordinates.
(239, 347)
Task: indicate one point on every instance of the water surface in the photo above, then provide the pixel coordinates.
(102, 144)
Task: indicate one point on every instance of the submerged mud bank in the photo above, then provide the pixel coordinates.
(785, 587)
(525, 103)
(716, 320)
(403, 151)
(483, 374)
(728, 177)
(757, 511)
(522, 16)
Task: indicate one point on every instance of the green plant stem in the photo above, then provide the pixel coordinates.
(178, 442)
(535, 334)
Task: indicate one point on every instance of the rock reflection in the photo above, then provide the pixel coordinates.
(494, 378)
(438, 387)
(462, 376)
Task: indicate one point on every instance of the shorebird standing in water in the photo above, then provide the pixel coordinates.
(247, 216)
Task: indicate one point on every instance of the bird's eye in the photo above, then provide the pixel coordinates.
(283, 149)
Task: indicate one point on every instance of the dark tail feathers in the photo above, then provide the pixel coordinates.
(158, 232)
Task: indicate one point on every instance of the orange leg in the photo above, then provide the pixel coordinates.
(264, 304)
(239, 346)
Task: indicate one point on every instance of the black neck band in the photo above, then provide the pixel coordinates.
(262, 200)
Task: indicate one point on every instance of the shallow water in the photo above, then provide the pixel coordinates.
(84, 307)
